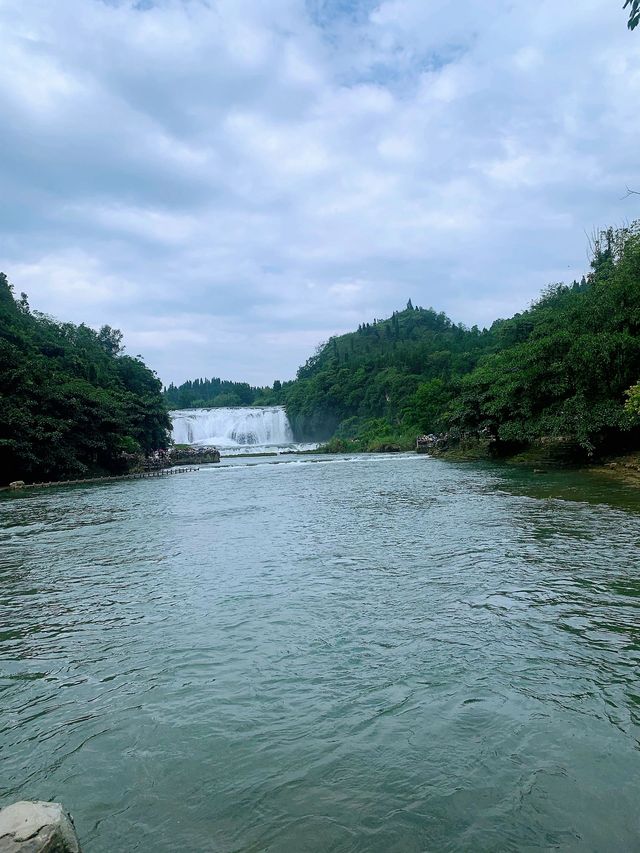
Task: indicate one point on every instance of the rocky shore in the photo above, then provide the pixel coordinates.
(545, 454)
(181, 454)
(624, 468)
(37, 827)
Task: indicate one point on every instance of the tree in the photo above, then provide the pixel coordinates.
(634, 13)
(111, 340)
(633, 401)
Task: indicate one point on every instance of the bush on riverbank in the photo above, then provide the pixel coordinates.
(368, 435)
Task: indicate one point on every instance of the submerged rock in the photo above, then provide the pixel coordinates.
(37, 827)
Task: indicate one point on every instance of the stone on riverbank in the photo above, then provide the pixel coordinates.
(189, 455)
(37, 827)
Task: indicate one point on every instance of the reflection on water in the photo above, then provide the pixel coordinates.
(361, 654)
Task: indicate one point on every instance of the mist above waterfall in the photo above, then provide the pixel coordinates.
(234, 429)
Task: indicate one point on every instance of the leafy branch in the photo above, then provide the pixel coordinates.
(634, 13)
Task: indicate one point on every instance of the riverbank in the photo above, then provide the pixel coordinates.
(20, 485)
(623, 467)
(185, 454)
(376, 445)
(546, 455)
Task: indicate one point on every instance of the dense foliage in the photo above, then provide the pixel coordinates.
(564, 367)
(561, 369)
(634, 13)
(212, 393)
(392, 377)
(71, 402)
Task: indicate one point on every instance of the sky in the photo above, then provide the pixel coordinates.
(231, 182)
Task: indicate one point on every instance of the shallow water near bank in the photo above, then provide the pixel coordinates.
(368, 653)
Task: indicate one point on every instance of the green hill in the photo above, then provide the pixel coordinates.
(560, 369)
(71, 403)
(392, 377)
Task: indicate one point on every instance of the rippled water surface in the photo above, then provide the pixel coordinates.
(369, 654)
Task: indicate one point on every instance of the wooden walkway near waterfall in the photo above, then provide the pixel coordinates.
(140, 475)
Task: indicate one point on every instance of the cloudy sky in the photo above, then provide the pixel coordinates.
(232, 181)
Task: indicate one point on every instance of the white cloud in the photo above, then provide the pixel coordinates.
(138, 222)
(73, 281)
(154, 339)
(230, 182)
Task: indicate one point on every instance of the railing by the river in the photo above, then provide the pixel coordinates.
(139, 475)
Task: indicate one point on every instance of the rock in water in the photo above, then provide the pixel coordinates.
(37, 827)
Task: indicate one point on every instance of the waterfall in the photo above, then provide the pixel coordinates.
(238, 427)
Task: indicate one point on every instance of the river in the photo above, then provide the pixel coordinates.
(382, 653)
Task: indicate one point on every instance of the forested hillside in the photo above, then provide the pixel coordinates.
(71, 403)
(560, 369)
(566, 366)
(213, 393)
(392, 376)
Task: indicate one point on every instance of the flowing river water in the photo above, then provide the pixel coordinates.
(382, 653)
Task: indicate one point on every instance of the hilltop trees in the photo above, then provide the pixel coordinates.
(399, 369)
(215, 392)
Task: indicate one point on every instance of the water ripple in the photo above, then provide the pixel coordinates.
(349, 654)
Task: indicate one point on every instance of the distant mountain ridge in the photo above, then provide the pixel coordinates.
(215, 393)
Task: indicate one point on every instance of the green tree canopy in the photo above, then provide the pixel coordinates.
(70, 401)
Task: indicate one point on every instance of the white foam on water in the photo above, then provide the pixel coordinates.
(238, 429)
(329, 459)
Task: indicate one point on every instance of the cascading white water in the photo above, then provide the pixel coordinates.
(233, 428)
